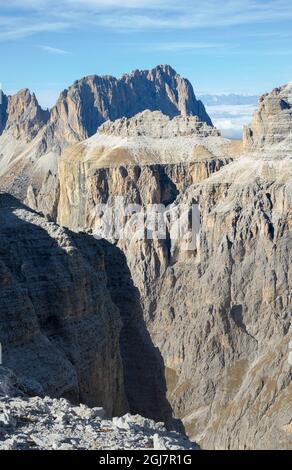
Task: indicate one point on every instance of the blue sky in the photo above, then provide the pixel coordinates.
(231, 46)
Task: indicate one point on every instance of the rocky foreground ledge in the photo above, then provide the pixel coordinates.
(54, 424)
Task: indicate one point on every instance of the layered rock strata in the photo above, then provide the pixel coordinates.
(272, 122)
(220, 314)
(31, 139)
(59, 329)
(72, 325)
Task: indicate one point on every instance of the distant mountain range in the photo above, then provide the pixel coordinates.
(228, 99)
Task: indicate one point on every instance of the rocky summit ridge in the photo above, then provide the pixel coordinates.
(32, 139)
(272, 122)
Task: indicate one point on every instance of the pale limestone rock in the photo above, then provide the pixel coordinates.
(54, 424)
(220, 315)
(72, 324)
(22, 120)
(78, 113)
(144, 168)
(158, 126)
(25, 117)
(228, 374)
(89, 102)
(272, 122)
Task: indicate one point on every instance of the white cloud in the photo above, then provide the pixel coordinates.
(138, 14)
(184, 46)
(54, 50)
(230, 119)
(22, 30)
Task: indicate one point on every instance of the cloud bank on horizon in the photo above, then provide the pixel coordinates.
(230, 112)
(230, 119)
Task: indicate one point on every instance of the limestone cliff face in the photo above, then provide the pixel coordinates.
(85, 184)
(212, 324)
(157, 125)
(25, 117)
(222, 320)
(70, 320)
(59, 328)
(229, 307)
(272, 122)
(89, 102)
(220, 314)
(32, 139)
(146, 159)
(21, 121)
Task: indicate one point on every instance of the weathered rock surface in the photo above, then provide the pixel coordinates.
(183, 144)
(212, 324)
(89, 102)
(219, 314)
(59, 328)
(143, 169)
(78, 113)
(21, 121)
(55, 424)
(25, 117)
(70, 320)
(158, 126)
(272, 122)
(229, 307)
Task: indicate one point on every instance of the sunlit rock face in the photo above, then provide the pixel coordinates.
(272, 122)
(89, 102)
(32, 139)
(220, 314)
(205, 330)
(25, 117)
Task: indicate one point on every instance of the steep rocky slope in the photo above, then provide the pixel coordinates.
(70, 325)
(22, 119)
(25, 117)
(59, 327)
(89, 102)
(55, 424)
(160, 158)
(272, 122)
(229, 307)
(220, 314)
(145, 159)
(202, 333)
(79, 111)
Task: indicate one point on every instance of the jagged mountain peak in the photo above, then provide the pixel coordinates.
(24, 115)
(93, 99)
(272, 121)
(80, 110)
